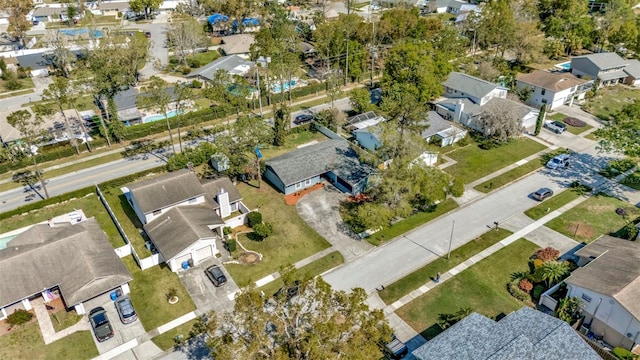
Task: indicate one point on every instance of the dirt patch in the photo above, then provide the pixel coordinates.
(292, 199)
(581, 230)
(597, 208)
(249, 258)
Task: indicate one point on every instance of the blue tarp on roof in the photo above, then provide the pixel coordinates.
(247, 22)
(216, 18)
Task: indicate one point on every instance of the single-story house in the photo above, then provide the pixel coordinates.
(127, 108)
(523, 334)
(366, 129)
(607, 283)
(334, 160)
(75, 260)
(232, 64)
(633, 72)
(552, 88)
(456, 7)
(606, 67)
(113, 8)
(184, 217)
(441, 131)
(238, 44)
(40, 64)
(49, 13)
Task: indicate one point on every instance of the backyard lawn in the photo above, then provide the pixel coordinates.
(148, 294)
(610, 100)
(592, 218)
(554, 203)
(127, 218)
(474, 162)
(292, 240)
(482, 287)
(423, 275)
(25, 342)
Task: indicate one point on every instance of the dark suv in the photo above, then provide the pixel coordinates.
(100, 324)
(125, 309)
(215, 274)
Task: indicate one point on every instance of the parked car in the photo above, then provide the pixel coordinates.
(290, 292)
(125, 309)
(215, 274)
(542, 194)
(555, 126)
(395, 349)
(303, 119)
(100, 324)
(558, 162)
(147, 34)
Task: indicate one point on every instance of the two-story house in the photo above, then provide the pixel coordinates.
(608, 287)
(553, 89)
(607, 67)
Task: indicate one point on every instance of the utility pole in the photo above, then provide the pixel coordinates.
(259, 93)
(453, 224)
(373, 42)
(346, 75)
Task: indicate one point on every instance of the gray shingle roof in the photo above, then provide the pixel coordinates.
(180, 227)
(470, 85)
(49, 11)
(436, 124)
(213, 187)
(633, 69)
(615, 272)
(237, 44)
(524, 334)
(313, 160)
(605, 60)
(232, 64)
(77, 258)
(166, 190)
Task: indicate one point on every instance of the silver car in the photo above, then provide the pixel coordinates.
(125, 309)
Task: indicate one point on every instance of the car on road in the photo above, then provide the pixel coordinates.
(100, 324)
(558, 162)
(555, 126)
(215, 274)
(542, 194)
(303, 119)
(147, 34)
(125, 309)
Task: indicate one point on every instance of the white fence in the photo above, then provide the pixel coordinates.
(547, 300)
(123, 251)
(150, 261)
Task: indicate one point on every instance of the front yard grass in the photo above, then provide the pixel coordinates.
(166, 341)
(148, 294)
(509, 176)
(421, 276)
(482, 287)
(310, 270)
(552, 204)
(610, 100)
(25, 342)
(632, 180)
(572, 129)
(474, 162)
(410, 223)
(592, 218)
(292, 240)
(64, 319)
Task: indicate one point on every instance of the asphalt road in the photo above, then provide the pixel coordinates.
(390, 262)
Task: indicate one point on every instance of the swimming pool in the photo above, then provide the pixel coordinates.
(4, 241)
(276, 87)
(564, 66)
(156, 117)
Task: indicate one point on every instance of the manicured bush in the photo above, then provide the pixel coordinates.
(254, 218)
(231, 245)
(194, 63)
(515, 291)
(196, 84)
(525, 285)
(19, 317)
(547, 254)
(262, 231)
(537, 291)
(227, 230)
(457, 187)
(537, 263)
(624, 354)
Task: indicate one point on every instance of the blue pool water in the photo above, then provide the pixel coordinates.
(156, 117)
(564, 65)
(4, 241)
(82, 31)
(276, 87)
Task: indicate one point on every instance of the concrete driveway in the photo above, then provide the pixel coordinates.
(206, 296)
(319, 209)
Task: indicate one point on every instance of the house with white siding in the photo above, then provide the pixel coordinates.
(552, 88)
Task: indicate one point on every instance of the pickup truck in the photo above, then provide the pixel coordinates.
(555, 126)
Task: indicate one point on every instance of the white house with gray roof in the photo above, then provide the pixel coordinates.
(608, 286)
(75, 260)
(442, 132)
(333, 160)
(523, 334)
(607, 67)
(231, 64)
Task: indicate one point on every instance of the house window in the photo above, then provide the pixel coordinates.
(586, 298)
(307, 182)
(299, 185)
(543, 91)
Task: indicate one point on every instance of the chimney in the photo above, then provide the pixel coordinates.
(223, 200)
(457, 115)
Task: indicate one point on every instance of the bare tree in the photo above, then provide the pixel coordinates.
(499, 121)
(185, 34)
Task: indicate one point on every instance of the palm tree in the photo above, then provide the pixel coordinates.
(568, 309)
(554, 271)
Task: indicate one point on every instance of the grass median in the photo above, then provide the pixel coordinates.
(509, 176)
(552, 204)
(423, 275)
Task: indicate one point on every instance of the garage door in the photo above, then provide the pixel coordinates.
(204, 253)
(180, 260)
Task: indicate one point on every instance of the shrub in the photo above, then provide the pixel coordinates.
(196, 84)
(227, 230)
(537, 263)
(516, 292)
(254, 218)
(194, 63)
(624, 354)
(171, 293)
(19, 317)
(537, 291)
(464, 141)
(579, 188)
(457, 187)
(263, 230)
(622, 165)
(185, 70)
(231, 245)
(547, 254)
(525, 285)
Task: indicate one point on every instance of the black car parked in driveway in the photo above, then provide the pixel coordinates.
(303, 119)
(215, 274)
(100, 324)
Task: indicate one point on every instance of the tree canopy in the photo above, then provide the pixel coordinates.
(621, 135)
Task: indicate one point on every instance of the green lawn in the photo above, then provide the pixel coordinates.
(474, 162)
(127, 218)
(423, 275)
(411, 223)
(482, 287)
(206, 57)
(315, 268)
(554, 203)
(292, 240)
(632, 181)
(148, 294)
(91, 206)
(610, 100)
(166, 340)
(509, 176)
(292, 142)
(572, 129)
(25, 342)
(592, 218)
(64, 319)
(25, 83)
